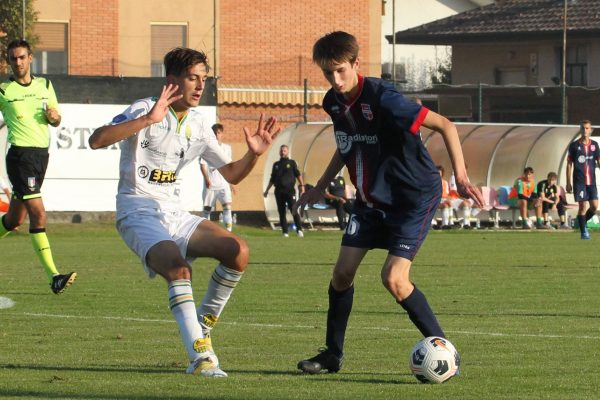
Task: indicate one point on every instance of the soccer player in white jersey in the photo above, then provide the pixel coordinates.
(159, 136)
(217, 188)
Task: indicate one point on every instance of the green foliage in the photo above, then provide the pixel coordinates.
(442, 73)
(11, 23)
(521, 307)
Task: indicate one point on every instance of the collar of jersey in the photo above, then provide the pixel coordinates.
(179, 123)
(351, 101)
(12, 78)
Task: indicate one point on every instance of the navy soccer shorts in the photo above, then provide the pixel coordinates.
(401, 230)
(26, 168)
(585, 192)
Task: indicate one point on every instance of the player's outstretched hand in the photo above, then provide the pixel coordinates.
(161, 108)
(311, 196)
(265, 133)
(569, 188)
(467, 190)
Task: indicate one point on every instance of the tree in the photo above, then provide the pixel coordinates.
(442, 73)
(11, 25)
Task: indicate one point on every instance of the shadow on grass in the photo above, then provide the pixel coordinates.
(346, 376)
(391, 378)
(92, 396)
(401, 314)
(108, 368)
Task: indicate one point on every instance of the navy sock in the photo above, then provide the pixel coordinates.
(589, 215)
(340, 305)
(582, 222)
(421, 314)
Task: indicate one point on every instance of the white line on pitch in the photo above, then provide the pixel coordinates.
(372, 328)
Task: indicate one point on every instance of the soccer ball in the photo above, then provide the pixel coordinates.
(434, 360)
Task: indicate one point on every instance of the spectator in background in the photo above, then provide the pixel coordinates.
(217, 188)
(551, 200)
(582, 159)
(284, 175)
(336, 197)
(466, 206)
(446, 201)
(523, 195)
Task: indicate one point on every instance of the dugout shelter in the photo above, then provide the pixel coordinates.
(496, 155)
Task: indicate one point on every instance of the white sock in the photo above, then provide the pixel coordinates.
(181, 303)
(467, 216)
(227, 218)
(446, 216)
(220, 287)
(475, 212)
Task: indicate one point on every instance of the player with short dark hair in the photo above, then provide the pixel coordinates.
(28, 104)
(159, 136)
(550, 198)
(583, 157)
(284, 174)
(398, 187)
(524, 195)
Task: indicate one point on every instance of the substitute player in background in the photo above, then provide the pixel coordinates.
(29, 104)
(397, 184)
(584, 154)
(159, 137)
(217, 188)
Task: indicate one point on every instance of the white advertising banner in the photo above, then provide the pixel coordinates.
(81, 179)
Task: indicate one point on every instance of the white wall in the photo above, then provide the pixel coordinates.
(81, 179)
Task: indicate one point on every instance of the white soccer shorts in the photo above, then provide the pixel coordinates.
(146, 227)
(222, 195)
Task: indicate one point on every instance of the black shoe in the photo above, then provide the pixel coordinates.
(61, 282)
(324, 360)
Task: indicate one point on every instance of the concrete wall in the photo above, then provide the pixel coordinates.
(473, 63)
(136, 16)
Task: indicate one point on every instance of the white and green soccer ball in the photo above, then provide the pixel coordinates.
(434, 360)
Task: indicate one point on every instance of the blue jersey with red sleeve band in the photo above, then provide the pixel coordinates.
(377, 136)
(584, 158)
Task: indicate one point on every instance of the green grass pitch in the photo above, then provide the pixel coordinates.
(521, 307)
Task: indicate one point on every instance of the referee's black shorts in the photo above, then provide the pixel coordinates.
(26, 168)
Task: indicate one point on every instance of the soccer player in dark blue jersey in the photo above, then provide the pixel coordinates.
(584, 156)
(398, 187)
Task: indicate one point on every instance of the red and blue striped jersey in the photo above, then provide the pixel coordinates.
(377, 136)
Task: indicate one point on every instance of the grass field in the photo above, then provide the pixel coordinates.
(521, 307)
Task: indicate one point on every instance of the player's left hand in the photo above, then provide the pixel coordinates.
(467, 190)
(265, 133)
(52, 115)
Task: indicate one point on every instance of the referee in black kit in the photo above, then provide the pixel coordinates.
(283, 175)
